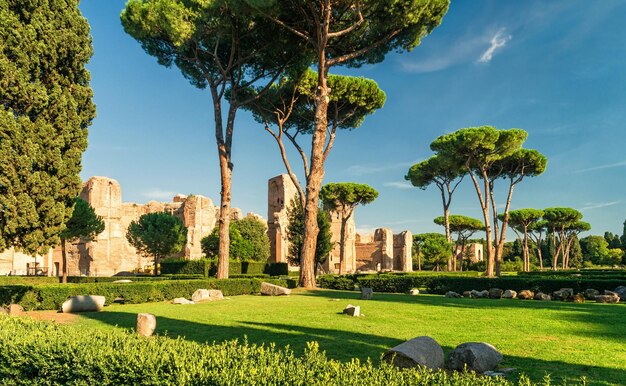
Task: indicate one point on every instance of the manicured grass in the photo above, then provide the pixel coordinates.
(566, 340)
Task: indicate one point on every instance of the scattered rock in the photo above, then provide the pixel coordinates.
(509, 294)
(479, 357)
(146, 323)
(119, 300)
(268, 289)
(607, 299)
(578, 298)
(493, 374)
(563, 294)
(205, 295)
(367, 293)
(182, 301)
(333, 300)
(526, 295)
(420, 351)
(452, 294)
(86, 303)
(3, 311)
(414, 291)
(495, 293)
(15, 310)
(508, 370)
(352, 310)
(122, 281)
(621, 292)
(611, 293)
(467, 294)
(590, 294)
(541, 296)
(480, 294)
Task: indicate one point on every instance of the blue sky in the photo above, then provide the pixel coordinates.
(556, 69)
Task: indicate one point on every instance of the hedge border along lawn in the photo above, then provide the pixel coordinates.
(208, 267)
(52, 296)
(439, 284)
(44, 353)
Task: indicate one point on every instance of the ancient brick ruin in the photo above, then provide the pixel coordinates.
(382, 251)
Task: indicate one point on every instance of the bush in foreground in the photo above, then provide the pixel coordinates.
(43, 353)
(52, 296)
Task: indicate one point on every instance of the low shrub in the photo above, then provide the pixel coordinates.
(52, 296)
(208, 267)
(43, 353)
(442, 283)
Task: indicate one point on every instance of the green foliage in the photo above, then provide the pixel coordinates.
(387, 26)
(43, 353)
(295, 234)
(157, 234)
(438, 170)
(434, 248)
(613, 257)
(613, 240)
(462, 224)
(248, 241)
(52, 296)
(84, 223)
(561, 217)
(344, 196)
(208, 267)
(45, 110)
(595, 249)
(522, 219)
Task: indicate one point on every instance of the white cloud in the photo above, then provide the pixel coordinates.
(398, 185)
(461, 51)
(498, 41)
(597, 205)
(607, 166)
(359, 170)
(159, 194)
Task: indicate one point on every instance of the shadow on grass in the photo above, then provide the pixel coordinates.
(608, 321)
(343, 345)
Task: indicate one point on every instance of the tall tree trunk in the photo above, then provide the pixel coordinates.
(540, 256)
(342, 245)
(157, 261)
(64, 262)
(316, 176)
(224, 219)
(485, 209)
(526, 250)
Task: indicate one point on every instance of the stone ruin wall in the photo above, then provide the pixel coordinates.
(382, 251)
(110, 252)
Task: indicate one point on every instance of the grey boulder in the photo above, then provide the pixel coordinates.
(452, 294)
(479, 357)
(525, 295)
(182, 301)
(146, 324)
(268, 289)
(352, 310)
(420, 351)
(509, 294)
(205, 295)
(543, 297)
(621, 292)
(84, 303)
(495, 293)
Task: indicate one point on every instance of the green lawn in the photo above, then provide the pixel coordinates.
(565, 340)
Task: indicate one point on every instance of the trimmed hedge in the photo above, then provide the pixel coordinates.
(208, 267)
(440, 284)
(44, 353)
(52, 296)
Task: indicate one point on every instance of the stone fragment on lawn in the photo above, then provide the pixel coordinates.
(146, 324)
(268, 289)
(607, 299)
(480, 294)
(205, 295)
(467, 294)
(83, 303)
(541, 296)
(563, 294)
(525, 295)
(590, 294)
(495, 293)
(122, 281)
(420, 351)
(477, 356)
(352, 310)
(367, 293)
(493, 374)
(182, 301)
(621, 292)
(15, 310)
(414, 291)
(452, 294)
(3, 311)
(578, 298)
(509, 294)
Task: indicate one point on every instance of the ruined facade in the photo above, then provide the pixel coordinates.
(382, 251)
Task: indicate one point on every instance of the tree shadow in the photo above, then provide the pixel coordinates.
(346, 345)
